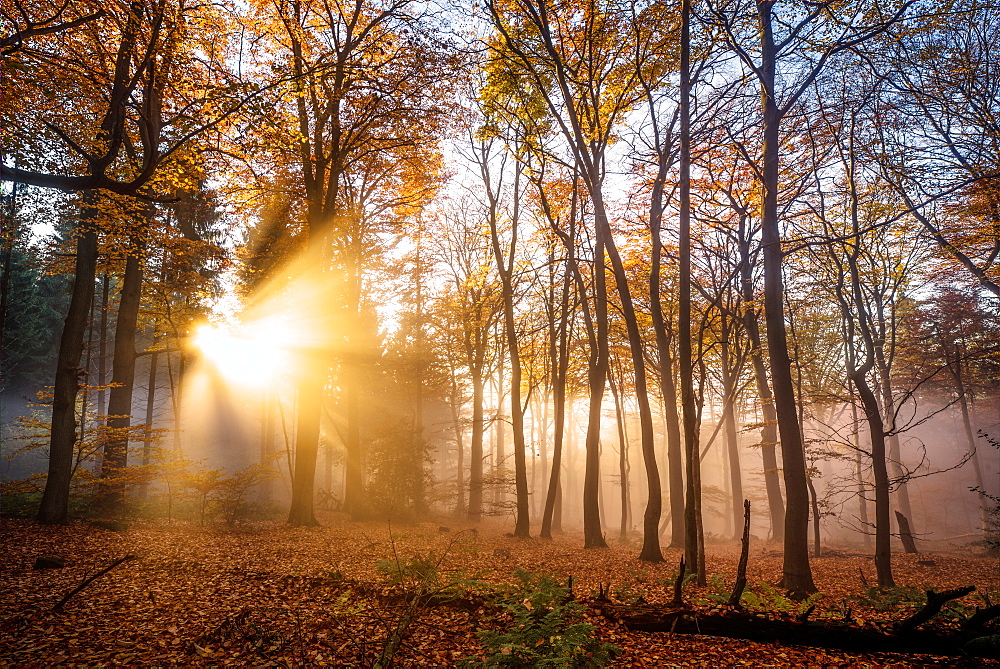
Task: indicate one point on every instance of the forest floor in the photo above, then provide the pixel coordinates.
(267, 594)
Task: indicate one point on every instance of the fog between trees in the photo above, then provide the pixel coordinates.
(603, 266)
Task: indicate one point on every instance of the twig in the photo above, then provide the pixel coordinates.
(90, 579)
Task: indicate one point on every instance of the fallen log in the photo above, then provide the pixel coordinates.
(935, 600)
(981, 617)
(836, 635)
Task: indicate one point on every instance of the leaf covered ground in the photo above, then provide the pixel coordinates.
(268, 594)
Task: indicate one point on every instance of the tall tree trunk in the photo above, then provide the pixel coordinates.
(692, 557)
(769, 430)
(505, 268)
(597, 374)
(9, 236)
(883, 548)
(731, 434)
(301, 513)
(476, 448)
(269, 401)
(112, 498)
(559, 353)
(456, 422)
(654, 503)
(102, 351)
(622, 458)
(963, 403)
(552, 516)
(892, 439)
(661, 329)
(862, 488)
(147, 442)
(797, 572)
(54, 506)
(102, 375)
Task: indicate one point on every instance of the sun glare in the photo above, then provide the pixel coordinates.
(251, 355)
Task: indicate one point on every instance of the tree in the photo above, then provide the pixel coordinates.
(368, 79)
(107, 122)
(938, 130)
(587, 92)
(468, 306)
(812, 36)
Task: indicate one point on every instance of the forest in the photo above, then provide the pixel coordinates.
(433, 317)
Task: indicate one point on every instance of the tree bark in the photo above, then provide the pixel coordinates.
(505, 268)
(862, 488)
(54, 506)
(112, 497)
(692, 541)
(147, 442)
(301, 513)
(731, 434)
(797, 572)
(559, 354)
(476, 448)
(593, 536)
(769, 431)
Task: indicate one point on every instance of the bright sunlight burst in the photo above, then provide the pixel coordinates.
(253, 355)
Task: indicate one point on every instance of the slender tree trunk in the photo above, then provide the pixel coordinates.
(814, 503)
(102, 375)
(505, 267)
(559, 353)
(963, 403)
(302, 513)
(147, 442)
(9, 236)
(622, 459)
(668, 389)
(476, 448)
(862, 489)
(456, 422)
(102, 351)
(54, 507)
(731, 435)
(797, 572)
(769, 431)
(654, 503)
(593, 536)
(892, 440)
(883, 549)
(123, 379)
(267, 445)
(688, 410)
(552, 516)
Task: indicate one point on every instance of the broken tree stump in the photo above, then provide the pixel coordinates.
(679, 585)
(741, 571)
(905, 534)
